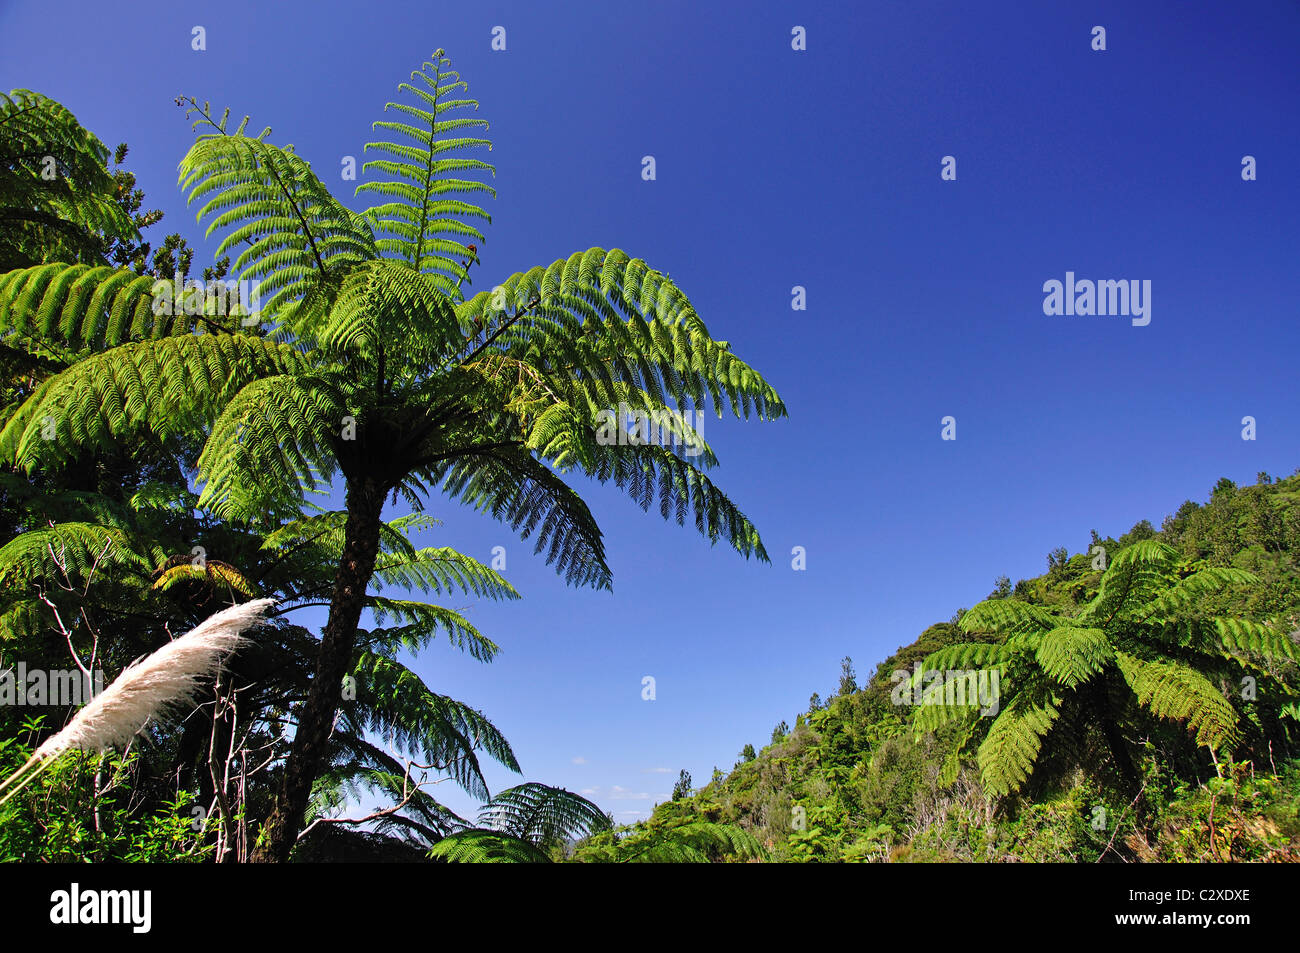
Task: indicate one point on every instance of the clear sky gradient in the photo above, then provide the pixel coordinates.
(818, 168)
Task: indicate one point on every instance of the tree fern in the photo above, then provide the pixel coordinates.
(542, 815)
(370, 364)
(1143, 642)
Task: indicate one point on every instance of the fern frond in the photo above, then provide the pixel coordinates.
(1008, 753)
(274, 440)
(1187, 592)
(644, 472)
(486, 847)
(421, 623)
(1008, 616)
(68, 549)
(513, 487)
(211, 573)
(361, 769)
(443, 570)
(163, 497)
(966, 655)
(953, 762)
(966, 671)
(1135, 575)
(24, 618)
(542, 815)
(1241, 635)
(607, 316)
(933, 711)
(165, 387)
(295, 233)
(692, 842)
(385, 318)
(393, 702)
(84, 308)
(422, 220)
(326, 532)
(1070, 655)
(1182, 694)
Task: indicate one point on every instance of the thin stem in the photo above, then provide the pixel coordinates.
(33, 774)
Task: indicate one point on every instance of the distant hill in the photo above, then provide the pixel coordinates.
(855, 780)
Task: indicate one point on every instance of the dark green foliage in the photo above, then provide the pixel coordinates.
(58, 201)
(670, 840)
(89, 809)
(848, 679)
(682, 787)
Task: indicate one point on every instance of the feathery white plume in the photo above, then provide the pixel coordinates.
(156, 685)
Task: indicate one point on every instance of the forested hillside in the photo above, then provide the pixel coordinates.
(1192, 758)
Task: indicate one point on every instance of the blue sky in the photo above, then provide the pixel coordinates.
(818, 168)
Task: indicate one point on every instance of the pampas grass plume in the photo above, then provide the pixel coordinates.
(156, 686)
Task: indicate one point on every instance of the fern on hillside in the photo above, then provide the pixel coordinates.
(1140, 643)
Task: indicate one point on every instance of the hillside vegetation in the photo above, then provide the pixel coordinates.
(1160, 728)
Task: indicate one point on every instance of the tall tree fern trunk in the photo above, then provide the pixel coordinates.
(1119, 752)
(307, 758)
